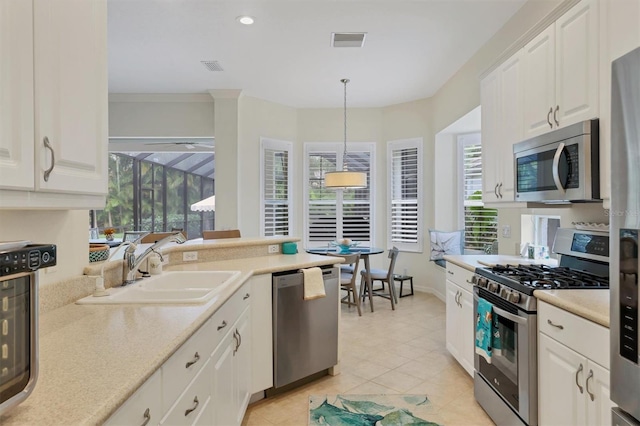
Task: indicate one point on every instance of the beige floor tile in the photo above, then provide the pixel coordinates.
(387, 352)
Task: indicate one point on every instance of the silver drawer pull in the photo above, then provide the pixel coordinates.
(196, 358)
(561, 327)
(450, 272)
(469, 282)
(578, 384)
(223, 325)
(53, 159)
(192, 409)
(147, 417)
(246, 296)
(589, 377)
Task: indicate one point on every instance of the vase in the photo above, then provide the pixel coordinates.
(109, 237)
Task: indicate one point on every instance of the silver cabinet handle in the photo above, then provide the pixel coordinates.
(500, 189)
(235, 337)
(556, 167)
(223, 325)
(47, 172)
(586, 384)
(495, 190)
(456, 297)
(469, 282)
(577, 373)
(239, 337)
(555, 117)
(246, 296)
(548, 115)
(147, 417)
(561, 327)
(192, 409)
(450, 272)
(196, 358)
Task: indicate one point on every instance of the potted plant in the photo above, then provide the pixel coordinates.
(108, 233)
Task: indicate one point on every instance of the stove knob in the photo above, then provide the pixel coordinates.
(493, 287)
(514, 297)
(504, 293)
(481, 282)
(474, 279)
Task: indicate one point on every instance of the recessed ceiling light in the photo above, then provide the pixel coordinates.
(245, 20)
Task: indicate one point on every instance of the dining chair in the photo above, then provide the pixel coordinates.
(134, 236)
(348, 279)
(384, 276)
(214, 235)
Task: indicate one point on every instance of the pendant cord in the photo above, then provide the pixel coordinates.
(344, 155)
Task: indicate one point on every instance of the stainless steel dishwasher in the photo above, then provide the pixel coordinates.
(305, 332)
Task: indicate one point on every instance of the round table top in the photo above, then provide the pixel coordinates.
(336, 250)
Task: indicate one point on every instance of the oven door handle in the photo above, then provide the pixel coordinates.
(505, 314)
(556, 167)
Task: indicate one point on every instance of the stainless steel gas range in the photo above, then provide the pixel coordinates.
(507, 386)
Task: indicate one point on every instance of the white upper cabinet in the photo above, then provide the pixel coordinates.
(57, 83)
(561, 71)
(16, 94)
(502, 126)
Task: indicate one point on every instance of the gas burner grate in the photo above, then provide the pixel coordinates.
(547, 277)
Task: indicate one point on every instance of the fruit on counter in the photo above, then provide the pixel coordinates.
(345, 242)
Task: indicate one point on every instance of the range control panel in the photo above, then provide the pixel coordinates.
(27, 259)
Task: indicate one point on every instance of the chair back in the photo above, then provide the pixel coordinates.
(214, 235)
(133, 236)
(154, 237)
(349, 259)
(393, 255)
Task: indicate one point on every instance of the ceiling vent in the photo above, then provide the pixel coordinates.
(348, 39)
(212, 65)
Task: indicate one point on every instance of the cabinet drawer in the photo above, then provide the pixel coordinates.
(584, 336)
(193, 406)
(144, 404)
(460, 276)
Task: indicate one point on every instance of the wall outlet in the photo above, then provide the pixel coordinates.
(189, 256)
(506, 231)
(273, 248)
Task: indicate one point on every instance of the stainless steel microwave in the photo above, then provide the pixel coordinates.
(19, 264)
(559, 166)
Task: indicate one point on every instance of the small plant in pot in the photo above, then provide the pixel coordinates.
(108, 233)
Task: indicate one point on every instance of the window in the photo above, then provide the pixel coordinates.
(405, 194)
(276, 191)
(480, 224)
(153, 192)
(337, 214)
(539, 230)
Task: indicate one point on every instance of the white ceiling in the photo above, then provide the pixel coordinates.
(412, 47)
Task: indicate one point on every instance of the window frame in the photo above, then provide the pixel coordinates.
(398, 145)
(283, 146)
(338, 149)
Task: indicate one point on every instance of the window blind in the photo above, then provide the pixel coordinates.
(480, 224)
(405, 181)
(276, 188)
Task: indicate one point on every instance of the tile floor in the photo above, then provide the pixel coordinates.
(401, 351)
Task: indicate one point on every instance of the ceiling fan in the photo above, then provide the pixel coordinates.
(161, 143)
(186, 144)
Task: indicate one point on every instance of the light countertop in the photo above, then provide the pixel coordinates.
(589, 304)
(92, 358)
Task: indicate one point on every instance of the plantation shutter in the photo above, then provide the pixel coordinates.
(336, 214)
(276, 188)
(480, 224)
(405, 175)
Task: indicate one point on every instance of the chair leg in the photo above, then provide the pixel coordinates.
(356, 299)
(391, 295)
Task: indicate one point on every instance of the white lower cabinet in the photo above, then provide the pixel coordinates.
(573, 389)
(207, 381)
(459, 317)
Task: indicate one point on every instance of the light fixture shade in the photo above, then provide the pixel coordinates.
(345, 179)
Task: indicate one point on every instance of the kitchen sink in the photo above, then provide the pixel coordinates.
(175, 287)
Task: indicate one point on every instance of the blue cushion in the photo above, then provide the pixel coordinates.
(443, 242)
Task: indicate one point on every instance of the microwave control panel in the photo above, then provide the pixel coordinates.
(27, 259)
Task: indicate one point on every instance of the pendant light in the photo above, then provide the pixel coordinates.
(344, 179)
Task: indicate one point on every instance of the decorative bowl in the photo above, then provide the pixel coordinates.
(345, 248)
(98, 252)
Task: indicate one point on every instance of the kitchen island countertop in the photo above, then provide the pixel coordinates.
(589, 304)
(94, 357)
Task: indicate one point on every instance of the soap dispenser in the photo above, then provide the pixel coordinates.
(155, 264)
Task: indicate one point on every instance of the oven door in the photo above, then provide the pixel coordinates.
(512, 373)
(552, 172)
(18, 333)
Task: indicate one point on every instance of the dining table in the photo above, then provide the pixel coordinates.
(365, 252)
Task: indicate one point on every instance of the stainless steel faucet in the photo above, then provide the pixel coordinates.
(131, 262)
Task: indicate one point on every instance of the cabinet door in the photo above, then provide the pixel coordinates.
(539, 83)
(577, 64)
(16, 94)
(560, 401)
(453, 320)
(224, 389)
(70, 54)
(467, 331)
(598, 410)
(490, 100)
(143, 406)
(242, 365)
